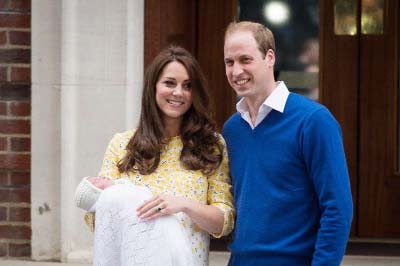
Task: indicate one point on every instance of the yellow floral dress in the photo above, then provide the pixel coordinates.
(172, 178)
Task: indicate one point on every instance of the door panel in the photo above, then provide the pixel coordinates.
(379, 182)
(214, 17)
(339, 88)
(359, 82)
(168, 22)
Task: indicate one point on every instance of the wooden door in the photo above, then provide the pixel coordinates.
(359, 84)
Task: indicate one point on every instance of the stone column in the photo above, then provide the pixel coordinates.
(87, 69)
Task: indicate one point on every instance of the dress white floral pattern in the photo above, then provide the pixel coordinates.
(172, 178)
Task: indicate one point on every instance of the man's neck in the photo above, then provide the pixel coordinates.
(254, 103)
(254, 107)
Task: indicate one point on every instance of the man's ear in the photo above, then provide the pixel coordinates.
(270, 57)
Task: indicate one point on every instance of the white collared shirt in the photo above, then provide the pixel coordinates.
(276, 100)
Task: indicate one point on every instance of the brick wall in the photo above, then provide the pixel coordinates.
(15, 102)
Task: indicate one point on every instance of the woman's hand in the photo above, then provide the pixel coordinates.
(161, 205)
(101, 182)
(209, 218)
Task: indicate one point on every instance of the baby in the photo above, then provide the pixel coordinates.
(121, 237)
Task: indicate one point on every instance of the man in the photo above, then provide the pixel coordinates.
(290, 179)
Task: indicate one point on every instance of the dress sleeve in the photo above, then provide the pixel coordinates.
(220, 195)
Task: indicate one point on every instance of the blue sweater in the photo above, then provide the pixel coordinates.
(291, 187)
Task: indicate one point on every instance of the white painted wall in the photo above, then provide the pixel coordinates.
(87, 69)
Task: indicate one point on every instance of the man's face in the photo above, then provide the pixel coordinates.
(248, 71)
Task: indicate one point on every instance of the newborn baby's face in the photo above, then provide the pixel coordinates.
(101, 182)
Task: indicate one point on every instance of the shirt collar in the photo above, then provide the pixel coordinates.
(276, 100)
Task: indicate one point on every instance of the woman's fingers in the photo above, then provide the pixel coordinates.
(150, 207)
(154, 212)
(161, 205)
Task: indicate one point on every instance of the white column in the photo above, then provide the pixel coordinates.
(45, 130)
(95, 91)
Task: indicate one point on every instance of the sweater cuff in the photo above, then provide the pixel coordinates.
(86, 194)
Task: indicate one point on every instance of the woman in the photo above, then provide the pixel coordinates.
(176, 153)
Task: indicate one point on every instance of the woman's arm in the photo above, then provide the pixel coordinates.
(217, 217)
(207, 217)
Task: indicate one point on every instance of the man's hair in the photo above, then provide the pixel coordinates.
(263, 36)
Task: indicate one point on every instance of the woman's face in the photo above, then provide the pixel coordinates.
(173, 93)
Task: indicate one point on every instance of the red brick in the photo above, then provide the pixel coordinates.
(20, 178)
(20, 215)
(3, 249)
(21, 74)
(20, 5)
(20, 37)
(20, 108)
(9, 91)
(3, 144)
(3, 37)
(15, 232)
(4, 178)
(15, 194)
(20, 194)
(3, 73)
(3, 108)
(19, 250)
(15, 161)
(15, 56)
(13, 126)
(15, 20)
(3, 214)
(20, 144)
(4, 194)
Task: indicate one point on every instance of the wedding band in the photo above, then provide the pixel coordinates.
(158, 209)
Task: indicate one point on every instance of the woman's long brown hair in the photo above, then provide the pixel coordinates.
(201, 147)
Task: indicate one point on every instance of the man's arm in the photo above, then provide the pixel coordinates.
(326, 164)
